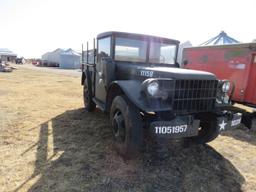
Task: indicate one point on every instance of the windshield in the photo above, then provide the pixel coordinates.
(162, 53)
(133, 50)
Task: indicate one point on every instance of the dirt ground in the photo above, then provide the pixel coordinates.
(48, 143)
(56, 70)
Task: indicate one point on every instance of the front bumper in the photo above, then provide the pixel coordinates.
(188, 126)
(228, 122)
(181, 126)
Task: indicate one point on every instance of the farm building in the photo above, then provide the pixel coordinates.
(7, 55)
(66, 59)
(181, 47)
(220, 39)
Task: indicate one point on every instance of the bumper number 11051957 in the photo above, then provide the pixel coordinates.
(171, 129)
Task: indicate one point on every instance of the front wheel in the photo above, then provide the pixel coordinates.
(127, 127)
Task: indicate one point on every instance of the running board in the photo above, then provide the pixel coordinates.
(100, 104)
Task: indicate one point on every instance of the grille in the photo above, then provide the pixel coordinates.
(194, 95)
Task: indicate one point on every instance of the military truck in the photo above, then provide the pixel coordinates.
(136, 79)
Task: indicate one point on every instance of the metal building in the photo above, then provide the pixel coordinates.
(181, 47)
(70, 59)
(7, 55)
(220, 39)
(66, 59)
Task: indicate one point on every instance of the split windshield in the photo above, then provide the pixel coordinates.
(135, 50)
(130, 50)
(162, 53)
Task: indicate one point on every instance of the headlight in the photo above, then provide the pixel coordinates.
(226, 86)
(153, 88)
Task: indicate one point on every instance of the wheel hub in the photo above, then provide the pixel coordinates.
(119, 126)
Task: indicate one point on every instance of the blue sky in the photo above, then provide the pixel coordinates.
(33, 27)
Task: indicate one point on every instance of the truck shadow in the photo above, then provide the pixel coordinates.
(74, 153)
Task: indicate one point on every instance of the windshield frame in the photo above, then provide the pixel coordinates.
(138, 39)
(148, 39)
(163, 43)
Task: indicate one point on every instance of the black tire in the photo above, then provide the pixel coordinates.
(208, 131)
(127, 127)
(89, 105)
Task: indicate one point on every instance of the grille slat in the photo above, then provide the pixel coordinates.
(194, 95)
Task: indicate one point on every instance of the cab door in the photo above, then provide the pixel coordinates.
(104, 50)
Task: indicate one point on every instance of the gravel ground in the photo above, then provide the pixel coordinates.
(48, 143)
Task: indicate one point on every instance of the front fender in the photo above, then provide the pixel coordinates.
(133, 90)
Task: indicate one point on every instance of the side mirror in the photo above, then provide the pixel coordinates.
(185, 62)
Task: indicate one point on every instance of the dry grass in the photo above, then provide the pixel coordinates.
(48, 143)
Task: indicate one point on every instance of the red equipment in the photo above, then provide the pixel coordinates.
(235, 62)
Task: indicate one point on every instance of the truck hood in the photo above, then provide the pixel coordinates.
(178, 73)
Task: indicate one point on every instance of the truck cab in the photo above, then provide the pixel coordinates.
(137, 80)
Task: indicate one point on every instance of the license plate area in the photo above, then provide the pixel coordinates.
(226, 124)
(236, 119)
(177, 128)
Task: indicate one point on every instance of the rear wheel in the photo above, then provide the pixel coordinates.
(127, 127)
(208, 131)
(89, 105)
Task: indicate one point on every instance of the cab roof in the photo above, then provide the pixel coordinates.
(137, 36)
